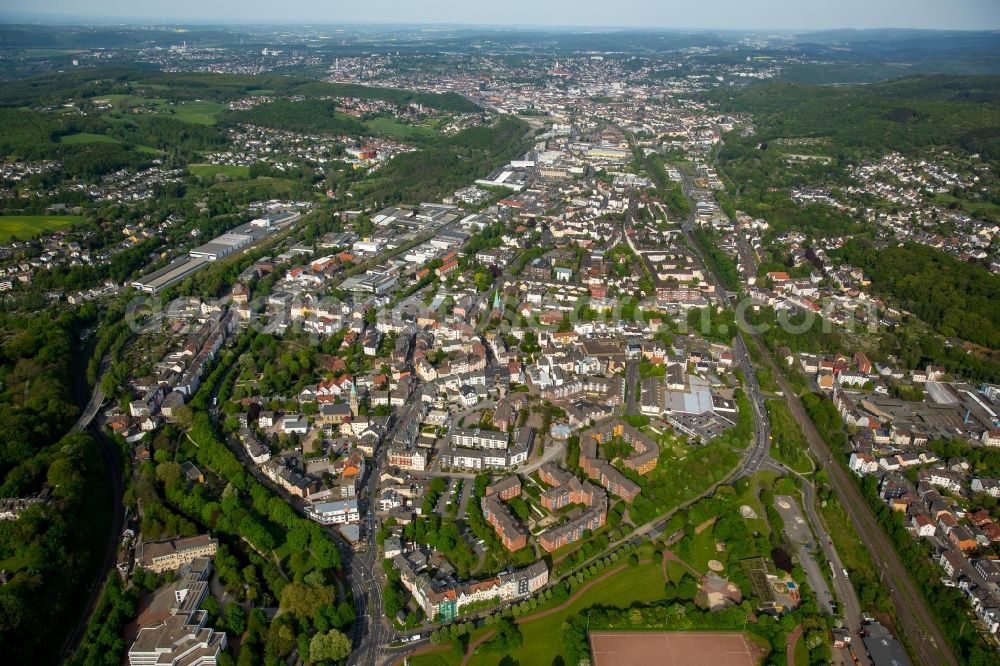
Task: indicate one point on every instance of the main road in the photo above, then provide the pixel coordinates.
(112, 462)
(758, 457)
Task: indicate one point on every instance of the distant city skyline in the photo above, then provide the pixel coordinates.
(785, 15)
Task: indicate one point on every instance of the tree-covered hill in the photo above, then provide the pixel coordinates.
(956, 297)
(903, 115)
(308, 115)
(90, 83)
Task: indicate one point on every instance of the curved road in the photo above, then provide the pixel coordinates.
(112, 462)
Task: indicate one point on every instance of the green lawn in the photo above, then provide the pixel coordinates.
(683, 472)
(984, 209)
(13, 564)
(124, 100)
(436, 659)
(542, 642)
(87, 137)
(276, 187)
(397, 130)
(23, 227)
(676, 570)
(788, 444)
(801, 653)
(199, 113)
(43, 52)
(751, 497)
(211, 170)
(703, 549)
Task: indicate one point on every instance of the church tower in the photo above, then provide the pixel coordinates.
(354, 399)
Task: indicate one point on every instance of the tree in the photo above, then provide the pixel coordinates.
(236, 618)
(331, 646)
(168, 473)
(182, 416)
(305, 600)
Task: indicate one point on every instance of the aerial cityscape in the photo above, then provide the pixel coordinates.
(442, 335)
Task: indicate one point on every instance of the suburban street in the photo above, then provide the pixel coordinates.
(801, 537)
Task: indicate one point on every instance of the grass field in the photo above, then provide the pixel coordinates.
(790, 446)
(542, 643)
(276, 186)
(643, 583)
(683, 472)
(751, 497)
(703, 549)
(801, 653)
(397, 130)
(676, 570)
(987, 210)
(435, 659)
(124, 100)
(23, 227)
(212, 170)
(43, 52)
(198, 113)
(87, 137)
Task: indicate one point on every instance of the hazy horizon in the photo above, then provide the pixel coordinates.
(780, 15)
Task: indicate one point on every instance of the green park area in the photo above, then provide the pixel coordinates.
(542, 645)
(644, 588)
(82, 138)
(210, 171)
(788, 444)
(23, 227)
(87, 137)
(199, 113)
(385, 126)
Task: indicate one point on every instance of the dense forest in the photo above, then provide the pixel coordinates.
(957, 298)
(455, 161)
(36, 402)
(90, 83)
(308, 115)
(53, 548)
(903, 115)
(36, 135)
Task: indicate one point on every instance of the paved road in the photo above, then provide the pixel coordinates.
(848, 597)
(758, 458)
(914, 618)
(801, 537)
(112, 462)
(90, 411)
(757, 455)
(631, 382)
(372, 632)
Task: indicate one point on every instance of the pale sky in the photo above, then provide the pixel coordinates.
(686, 14)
